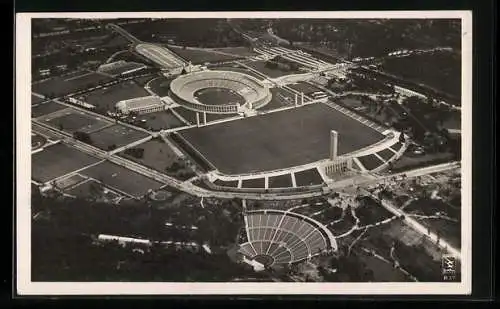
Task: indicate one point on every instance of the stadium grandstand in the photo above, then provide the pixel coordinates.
(142, 105)
(184, 87)
(160, 55)
(120, 67)
(282, 237)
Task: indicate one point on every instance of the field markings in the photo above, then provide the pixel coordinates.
(112, 188)
(74, 172)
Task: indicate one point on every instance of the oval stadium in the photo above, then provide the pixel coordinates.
(245, 91)
(280, 237)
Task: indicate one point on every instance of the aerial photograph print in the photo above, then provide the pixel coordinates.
(246, 150)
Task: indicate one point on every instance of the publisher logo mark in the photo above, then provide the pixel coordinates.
(448, 267)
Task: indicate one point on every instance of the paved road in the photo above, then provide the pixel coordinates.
(415, 225)
(158, 176)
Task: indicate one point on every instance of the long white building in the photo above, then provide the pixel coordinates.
(142, 105)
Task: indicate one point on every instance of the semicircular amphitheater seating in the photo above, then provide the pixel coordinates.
(252, 90)
(284, 237)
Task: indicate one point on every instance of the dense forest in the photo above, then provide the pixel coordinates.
(64, 246)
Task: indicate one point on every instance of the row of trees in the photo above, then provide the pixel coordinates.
(364, 38)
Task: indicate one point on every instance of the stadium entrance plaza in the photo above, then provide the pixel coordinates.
(278, 140)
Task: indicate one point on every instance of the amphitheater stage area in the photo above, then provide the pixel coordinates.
(278, 140)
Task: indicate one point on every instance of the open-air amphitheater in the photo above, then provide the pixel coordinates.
(279, 237)
(255, 93)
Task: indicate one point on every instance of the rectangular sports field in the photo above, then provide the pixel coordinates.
(157, 155)
(66, 84)
(72, 120)
(122, 179)
(160, 120)
(58, 160)
(117, 135)
(279, 140)
(106, 98)
(46, 108)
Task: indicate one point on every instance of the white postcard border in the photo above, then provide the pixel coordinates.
(23, 175)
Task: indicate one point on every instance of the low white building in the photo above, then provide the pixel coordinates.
(142, 105)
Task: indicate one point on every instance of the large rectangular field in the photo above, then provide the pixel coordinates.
(279, 140)
(116, 135)
(46, 108)
(122, 179)
(159, 120)
(157, 155)
(58, 160)
(63, 85)
(72, 120)
(106, 98)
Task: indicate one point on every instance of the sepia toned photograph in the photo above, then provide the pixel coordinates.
(244, 153)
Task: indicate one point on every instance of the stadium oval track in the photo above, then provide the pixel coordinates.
(255, 93)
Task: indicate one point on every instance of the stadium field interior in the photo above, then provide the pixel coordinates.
(218, 96)
(278, 140)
